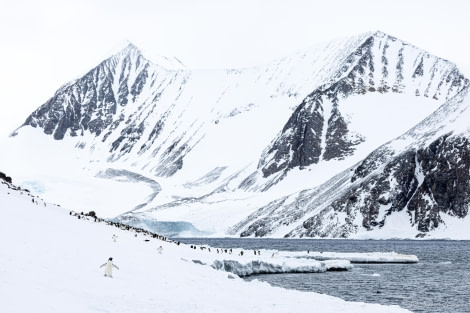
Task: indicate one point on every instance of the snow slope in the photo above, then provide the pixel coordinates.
(49, 262)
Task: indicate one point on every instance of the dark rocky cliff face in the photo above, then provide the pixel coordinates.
(300, 142)
(92, 102)
(425, 182)
(303, 137)
(86, 104)
(446, 185)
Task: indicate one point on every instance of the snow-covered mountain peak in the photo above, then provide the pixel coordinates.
(130, 48)
(134, 52)
(129, 51)
(333, 122)
(199, 136)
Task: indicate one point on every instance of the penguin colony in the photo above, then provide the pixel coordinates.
(4, 179)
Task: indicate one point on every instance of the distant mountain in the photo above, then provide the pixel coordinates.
(309, 145)
(410, 186)
(318, 130)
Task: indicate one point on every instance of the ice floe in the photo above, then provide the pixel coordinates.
(243, 263)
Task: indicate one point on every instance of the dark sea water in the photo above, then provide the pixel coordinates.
(439, 282)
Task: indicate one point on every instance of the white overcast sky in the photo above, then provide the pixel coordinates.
(45, 44)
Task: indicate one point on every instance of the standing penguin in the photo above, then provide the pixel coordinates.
(108, 270)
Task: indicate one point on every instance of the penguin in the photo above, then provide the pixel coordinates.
(108, 270)
(114, 238)
(160, 249)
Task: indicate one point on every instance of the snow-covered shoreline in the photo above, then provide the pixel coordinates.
(49, 262)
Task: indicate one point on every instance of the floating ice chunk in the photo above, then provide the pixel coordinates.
(284, 265)
(263, 267)
(445, 263)
(338, 265)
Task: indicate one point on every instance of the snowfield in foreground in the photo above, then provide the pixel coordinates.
(50, 262)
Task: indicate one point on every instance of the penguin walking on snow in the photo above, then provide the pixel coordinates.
(108, 270)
